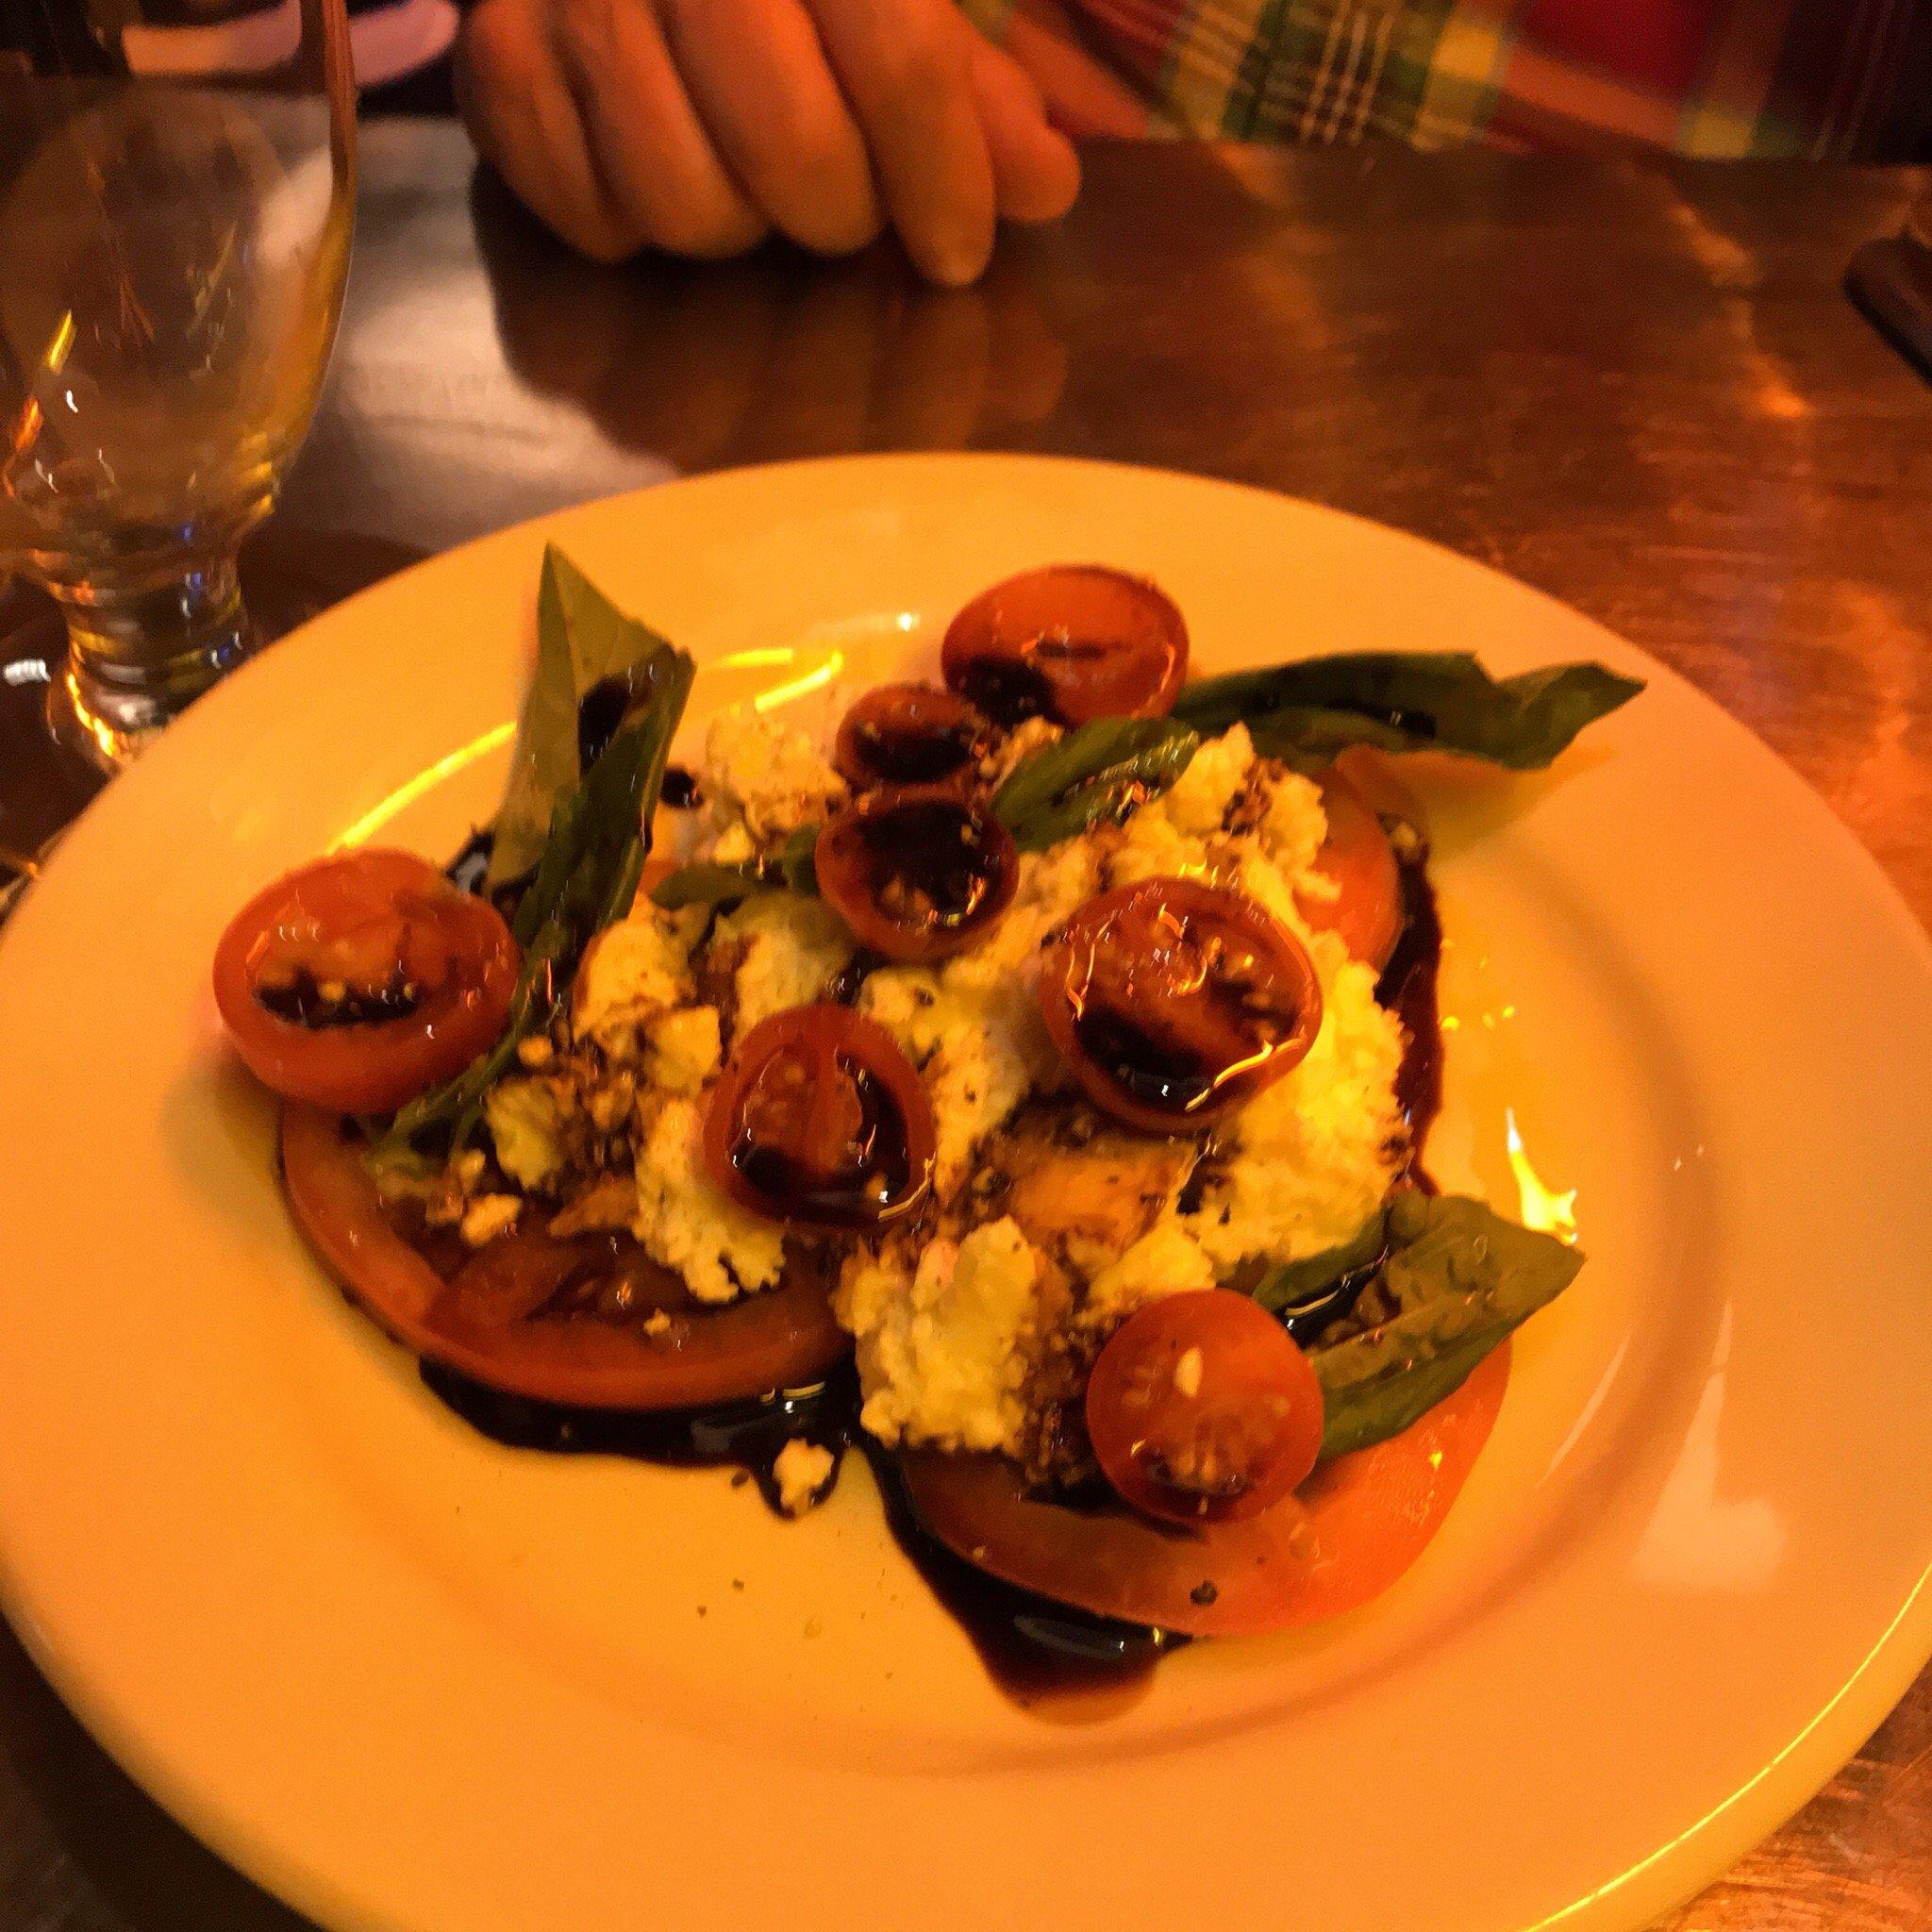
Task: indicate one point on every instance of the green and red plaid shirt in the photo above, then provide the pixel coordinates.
(1837, 79)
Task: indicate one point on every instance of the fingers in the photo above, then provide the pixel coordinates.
(906, 68)
(758, 78)
(693, 124)
(525, 125)
(1036, 173)
(646, 142)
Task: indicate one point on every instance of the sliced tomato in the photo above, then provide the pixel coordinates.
(1356, 854)
(1202, 1410)
(1350, 1531)
(1174, 1002)
(361, 981)
(909, 734)
(917, 871)
(1074, 641)
(498, 1320)
(819, 1118)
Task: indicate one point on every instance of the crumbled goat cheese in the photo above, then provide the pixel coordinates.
(1165, 1260)
(1292, 831)
(773, 778)
(1198, 800)
(971, 1025)
(524, 1119)
(944, 1356)
(802, 1469)
(1311, 1157)
(685, 1222)
(682, 1049)
(793, 948)
(631, 971)
(489, 1215)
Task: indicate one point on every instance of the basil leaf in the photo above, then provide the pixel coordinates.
(583, 640)
(586, 871)
(1306, 1286)
(1459, 1279)
(705, 882)
(1308, 736)
(1100, 770)
(1412, 701)
(794, 862)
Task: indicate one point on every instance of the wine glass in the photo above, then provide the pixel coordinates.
(177, 195)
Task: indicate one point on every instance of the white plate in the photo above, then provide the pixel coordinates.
(410, 1679)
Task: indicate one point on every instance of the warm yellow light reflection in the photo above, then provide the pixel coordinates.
(62, 344)
(795, 688)
(103, 734)
(758, 658)
(1797, 1747)
(425, 781)
(1543, 1207)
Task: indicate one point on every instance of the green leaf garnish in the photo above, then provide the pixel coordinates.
(1290, 1287)
(1408, 701)
(1457, 1279)
(582, 640)
(705, 882)
(596, 835)
(1098, 771)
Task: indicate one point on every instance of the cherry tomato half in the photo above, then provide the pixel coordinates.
(1175, 1002)
(497, 1318)
(1074, 641)
(917, 872)
(1353, 1528)
(819, 1118)
(1356, 854)
(909, 734)
(1201, 1409)
(361, 981)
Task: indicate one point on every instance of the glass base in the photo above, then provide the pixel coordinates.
(135, 662)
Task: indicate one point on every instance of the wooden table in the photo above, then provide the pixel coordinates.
(1634, 383)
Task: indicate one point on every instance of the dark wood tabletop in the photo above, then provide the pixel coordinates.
(1635, 384)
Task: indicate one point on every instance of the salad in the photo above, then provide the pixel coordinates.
(1028, 1087)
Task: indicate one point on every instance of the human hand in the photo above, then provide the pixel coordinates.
(698, 127)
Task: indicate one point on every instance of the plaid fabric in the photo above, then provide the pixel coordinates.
(1829, 78)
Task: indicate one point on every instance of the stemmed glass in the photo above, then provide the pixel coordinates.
(177, 195)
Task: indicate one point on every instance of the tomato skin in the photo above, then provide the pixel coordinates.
(1133, 975)
(384, 909)
(1201, 1408)
(909, 734)
(891, 865)
(1357, 1524)
(819, 1118)
(478, 1323)
(1356, 854)
(1072, 641)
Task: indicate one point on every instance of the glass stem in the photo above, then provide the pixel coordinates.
(140, 654)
